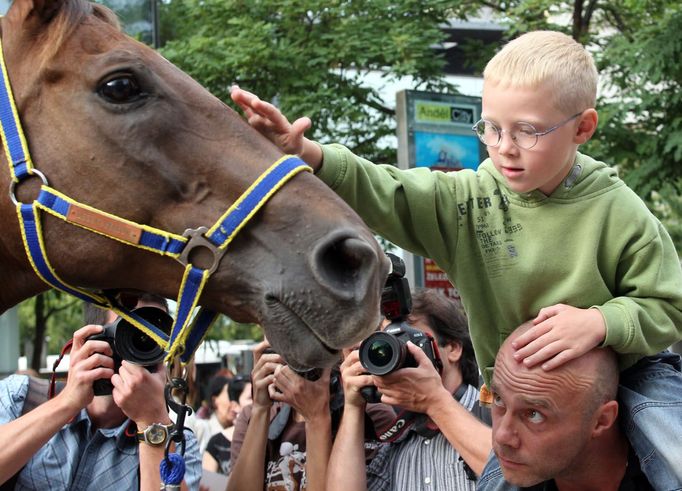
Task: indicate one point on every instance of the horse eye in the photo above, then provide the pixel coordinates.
(120, 90)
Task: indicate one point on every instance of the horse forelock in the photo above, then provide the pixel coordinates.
(71, 15)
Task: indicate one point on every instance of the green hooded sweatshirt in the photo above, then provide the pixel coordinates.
(592, 243)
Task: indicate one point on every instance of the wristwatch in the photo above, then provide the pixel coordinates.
(155, 434)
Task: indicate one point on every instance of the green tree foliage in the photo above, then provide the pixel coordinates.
(226, 328)
(641, 128)
(51, 316)
(310, 57)
(667, 204)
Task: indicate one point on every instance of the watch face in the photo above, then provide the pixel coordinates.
(156, 434)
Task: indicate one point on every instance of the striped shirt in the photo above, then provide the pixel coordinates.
(79, 457)
(414, 462)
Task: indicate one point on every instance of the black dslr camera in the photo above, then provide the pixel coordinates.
(386, 351)
(129, 343)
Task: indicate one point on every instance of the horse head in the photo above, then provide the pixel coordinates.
(114, 125)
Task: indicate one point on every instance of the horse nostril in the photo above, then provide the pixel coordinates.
(344, 266)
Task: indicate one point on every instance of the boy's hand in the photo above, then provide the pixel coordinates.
(270, 122)
(560, 333)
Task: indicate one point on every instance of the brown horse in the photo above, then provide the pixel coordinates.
(114, 125)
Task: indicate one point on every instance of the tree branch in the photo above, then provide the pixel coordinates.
(589, 11)
(577, 29)
(617, 20)
(54, 310)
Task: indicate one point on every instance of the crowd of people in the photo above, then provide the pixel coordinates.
(552, 372)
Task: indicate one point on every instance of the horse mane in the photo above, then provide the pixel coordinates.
(68, 18)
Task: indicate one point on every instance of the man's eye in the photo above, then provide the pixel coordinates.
(535, 417)
(497, 400)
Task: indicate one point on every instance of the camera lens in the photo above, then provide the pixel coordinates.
(134, 345)
(379, 353)
(141, 342)
(382, 353)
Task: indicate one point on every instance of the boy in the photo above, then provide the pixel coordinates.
(539, 231)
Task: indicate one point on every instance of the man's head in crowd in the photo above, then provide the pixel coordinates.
(552, 424)
(442, 317)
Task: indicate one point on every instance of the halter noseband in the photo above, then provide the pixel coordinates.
(186, 333)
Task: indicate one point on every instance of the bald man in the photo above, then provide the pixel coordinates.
(558, 429)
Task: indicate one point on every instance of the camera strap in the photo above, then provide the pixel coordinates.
(53, 377)
(419, 423)
(396, 429)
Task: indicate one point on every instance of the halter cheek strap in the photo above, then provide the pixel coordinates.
(187, 332)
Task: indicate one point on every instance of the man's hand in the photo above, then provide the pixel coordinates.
(354, 377)
(90, 361)
(140, 394)
(560, 333)
(270, 122)
(309, 398)
(418, 389)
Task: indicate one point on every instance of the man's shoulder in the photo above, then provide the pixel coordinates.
(13, 391)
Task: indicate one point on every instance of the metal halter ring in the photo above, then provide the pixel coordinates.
(197, 239)
(13, 184)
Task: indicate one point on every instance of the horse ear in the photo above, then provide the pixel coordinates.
(46, 9)
(33, 12)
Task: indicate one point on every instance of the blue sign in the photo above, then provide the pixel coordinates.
(446, 150)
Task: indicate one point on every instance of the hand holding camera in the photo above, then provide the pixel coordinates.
(129, 343)
(309, 398)
(89, 361)
(411, 389)
(265, 362)
(355, 378)
(386, 351)
(140, 394)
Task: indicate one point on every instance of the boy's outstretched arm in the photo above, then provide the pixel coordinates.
(560, 333)
(270, 122)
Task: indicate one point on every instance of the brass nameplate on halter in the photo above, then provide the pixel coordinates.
(104, 224)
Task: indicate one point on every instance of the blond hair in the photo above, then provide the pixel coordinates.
(547, 58)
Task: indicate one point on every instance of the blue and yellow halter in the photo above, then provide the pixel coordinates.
(187, 330)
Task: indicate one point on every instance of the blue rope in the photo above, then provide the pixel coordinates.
(172, 469)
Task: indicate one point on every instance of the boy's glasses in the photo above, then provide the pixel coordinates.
(524, 135)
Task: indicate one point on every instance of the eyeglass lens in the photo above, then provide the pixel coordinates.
(523, 134)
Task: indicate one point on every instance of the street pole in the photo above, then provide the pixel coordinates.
(156, 41)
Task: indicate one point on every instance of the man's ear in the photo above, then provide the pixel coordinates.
(452, 351)
(587, 125)
(606, 417)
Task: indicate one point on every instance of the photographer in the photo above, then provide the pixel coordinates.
(283, 440)
(78, 441)
(443, 446)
